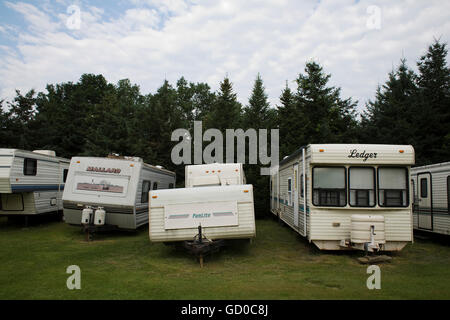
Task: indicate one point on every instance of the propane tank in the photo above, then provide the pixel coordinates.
(99, 217)
(86, 215)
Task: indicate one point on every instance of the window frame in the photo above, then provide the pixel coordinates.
(289, 192)
(333, 189)
(448, 194)
(408, 202)
(367, 190)
(145, 193)
(154, 186)
(65, 174)
(303, 186)
(422, 189)
(25, 165)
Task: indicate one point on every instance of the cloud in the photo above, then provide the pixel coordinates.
(204, 41)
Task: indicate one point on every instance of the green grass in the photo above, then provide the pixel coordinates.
(279, 264)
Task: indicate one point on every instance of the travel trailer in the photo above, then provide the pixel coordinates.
(31, 182)
(431, 186)
(215, 198)
(111, 191)
(346, 196)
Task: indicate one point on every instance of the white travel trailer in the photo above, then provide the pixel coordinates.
(111, 191)
(431, 185)
(346, 196)
(215, 198)
(31, 183)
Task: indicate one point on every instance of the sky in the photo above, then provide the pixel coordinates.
(147, 41)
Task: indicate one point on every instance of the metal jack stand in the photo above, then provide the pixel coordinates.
(202, 246)
(371, 247)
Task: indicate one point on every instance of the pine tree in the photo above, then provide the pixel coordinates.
(392, 117)
(226, 111)
(324, 117)
(288, 115)
(434, 100)
(258, 115)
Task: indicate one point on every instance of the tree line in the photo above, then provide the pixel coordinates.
(93, 117)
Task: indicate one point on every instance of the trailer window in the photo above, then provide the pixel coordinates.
(393, 187)
(362, 187)
(65, 172)
(170, 185)
(155, 185)
(423, 188)
(302, 187)
(29, 167)
(329, 186)
(448, 194)
(289, 191)
(145, 190)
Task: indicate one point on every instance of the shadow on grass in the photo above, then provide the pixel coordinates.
(231, 249)
(77, 233)
(25, 221)
(430, 237)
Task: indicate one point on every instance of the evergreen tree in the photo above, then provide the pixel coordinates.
(258, 115)
(21, 117)
(433, 138)
(323, 116)
(392, 117)
(226, 111)
(4, 130)
(164, 116)
(288, 115)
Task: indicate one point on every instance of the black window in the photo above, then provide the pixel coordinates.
(448, 194)
(393, 187)
(155, 186)
(65, 172)
(302, 186)
(170, 185)
(145, 191)
(29, 167)
(329, 186)
(361, 182)
(423, 188)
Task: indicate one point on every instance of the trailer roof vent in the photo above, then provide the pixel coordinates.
(50, 153)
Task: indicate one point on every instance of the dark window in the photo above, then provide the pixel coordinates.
(392, 187)
(155, 186)
(423, 188)
(65, 172)
(302, 186)
(29, 167)
(289, 191)
(170, 185)
(145, 191)
(329, 186)
(362, 186)
(448, 194)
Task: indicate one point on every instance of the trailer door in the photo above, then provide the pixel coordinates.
(295, 201)
(425, 209)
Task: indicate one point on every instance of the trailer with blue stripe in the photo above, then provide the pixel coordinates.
(31, 182)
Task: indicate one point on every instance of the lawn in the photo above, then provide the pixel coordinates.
(279, 264)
